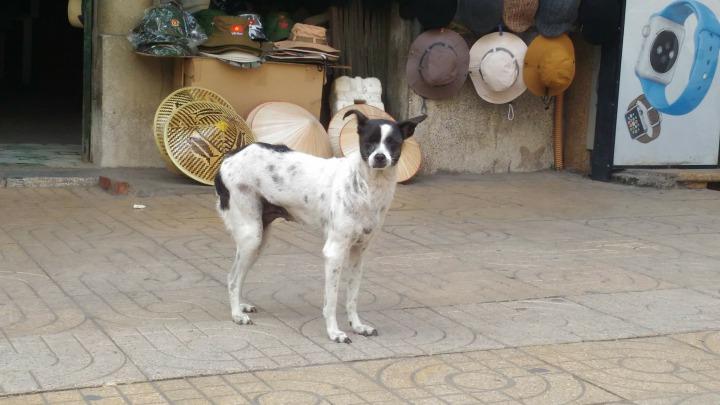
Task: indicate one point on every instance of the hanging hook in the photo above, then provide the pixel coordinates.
(500, 30)
(423, 107)
(511, 112)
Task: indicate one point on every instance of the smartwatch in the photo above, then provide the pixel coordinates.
(663, 39)
(643, 120)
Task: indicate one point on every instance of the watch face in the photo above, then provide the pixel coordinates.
(633, 118)
(662, 43)
(664, 51)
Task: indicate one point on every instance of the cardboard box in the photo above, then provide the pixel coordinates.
(247, 88)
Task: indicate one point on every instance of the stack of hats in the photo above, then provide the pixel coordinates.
(194, 129)
(308, 44)
(167, 30)
(231, 41)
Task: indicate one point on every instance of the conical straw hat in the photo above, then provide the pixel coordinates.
(410, 156)
(289, 124)
(339, 125)
(171, 103)
(199, 134)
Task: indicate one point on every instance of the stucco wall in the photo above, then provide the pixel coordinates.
(465, 133)
(127, 89)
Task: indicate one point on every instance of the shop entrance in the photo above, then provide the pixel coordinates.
(41, 84)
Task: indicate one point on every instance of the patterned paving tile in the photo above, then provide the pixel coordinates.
(639, 369)
(663, 311)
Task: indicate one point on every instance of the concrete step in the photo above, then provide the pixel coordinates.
(143, 182)
(669, 178)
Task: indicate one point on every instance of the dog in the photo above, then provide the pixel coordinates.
(347, 198)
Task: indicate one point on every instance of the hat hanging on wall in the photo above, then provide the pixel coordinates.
(433, 14)
(556, 17)
(496, 63)
(519, 15)
(437, 64)
(199, 134)
(172, 103)
(599, 20)
(549, 65)
(480, 16)
(339, 124)
(291, 125)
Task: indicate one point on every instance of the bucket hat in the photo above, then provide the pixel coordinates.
(311, 37)
(556, 17)
(549, 65)
(437, 64)
(199, 134)
(433, 14)
(231, 34)
(480, 16)
(599, 20)
(496, 63)
(519, 15)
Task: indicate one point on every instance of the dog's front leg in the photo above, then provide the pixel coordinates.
(336, 254)
(355, 266)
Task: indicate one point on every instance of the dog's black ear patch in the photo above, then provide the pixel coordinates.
(361, 118)
(275, 148)
(407, 127)
(222, 192)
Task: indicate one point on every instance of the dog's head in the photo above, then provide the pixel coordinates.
(381, 140)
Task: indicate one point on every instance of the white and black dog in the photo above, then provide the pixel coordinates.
(345, 197)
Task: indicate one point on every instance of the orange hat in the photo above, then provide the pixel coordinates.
(549, 65)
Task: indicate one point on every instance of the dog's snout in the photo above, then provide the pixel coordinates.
(380, 159)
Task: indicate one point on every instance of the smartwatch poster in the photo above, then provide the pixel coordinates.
(669, 99)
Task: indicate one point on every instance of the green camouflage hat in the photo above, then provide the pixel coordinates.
(278, 26)
(167, 30)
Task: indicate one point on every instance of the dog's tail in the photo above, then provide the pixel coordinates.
(222, 191)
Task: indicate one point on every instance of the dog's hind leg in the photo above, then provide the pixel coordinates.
(355, 267)
(245, 217)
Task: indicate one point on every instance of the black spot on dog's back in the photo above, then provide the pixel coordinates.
(277, 179)
(274, 148)
(222, 192)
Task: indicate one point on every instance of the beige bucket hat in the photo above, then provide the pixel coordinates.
(312, 37)
(496, 63)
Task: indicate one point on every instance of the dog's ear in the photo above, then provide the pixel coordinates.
(407, 127)
(361, 118)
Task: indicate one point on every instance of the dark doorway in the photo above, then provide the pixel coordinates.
(41, 75)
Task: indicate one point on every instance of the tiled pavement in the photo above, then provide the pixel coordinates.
(525, 282)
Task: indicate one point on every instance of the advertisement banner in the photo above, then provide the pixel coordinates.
(669, 99)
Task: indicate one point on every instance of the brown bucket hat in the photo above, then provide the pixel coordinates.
(519, 15)
(438, 64)
(304, 36)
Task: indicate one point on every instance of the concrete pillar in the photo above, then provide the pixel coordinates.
(127, 89)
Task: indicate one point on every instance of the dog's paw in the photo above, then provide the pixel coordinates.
(248, 309)
(339, 337)
(242, 319)
(365, 330)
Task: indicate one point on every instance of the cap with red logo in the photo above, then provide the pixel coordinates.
(231, 34)
(278, 26)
